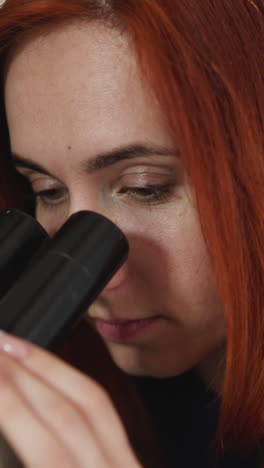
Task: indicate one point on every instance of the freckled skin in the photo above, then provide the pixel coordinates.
(81, 83)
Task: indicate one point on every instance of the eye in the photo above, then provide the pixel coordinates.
(51, 196)
(149, 193)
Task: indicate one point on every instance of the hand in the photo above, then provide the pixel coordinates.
(53, 415)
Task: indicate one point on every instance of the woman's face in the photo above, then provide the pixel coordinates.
(88, 135)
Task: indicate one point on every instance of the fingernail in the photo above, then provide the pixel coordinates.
(13, 346)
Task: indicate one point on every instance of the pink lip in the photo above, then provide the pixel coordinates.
(121, 330)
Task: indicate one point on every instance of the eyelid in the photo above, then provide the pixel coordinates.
(41, 182)
(145, 178)
(31, 174)
(150, 168)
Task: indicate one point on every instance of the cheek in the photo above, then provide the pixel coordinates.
(188, 261)
(178, 268)
(192, 278)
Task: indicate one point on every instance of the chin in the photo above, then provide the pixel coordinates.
(140, 364)
(140, 371)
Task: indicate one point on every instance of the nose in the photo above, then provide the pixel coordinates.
(118, 279)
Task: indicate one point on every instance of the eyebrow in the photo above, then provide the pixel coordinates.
(20, 161)
(103, 160)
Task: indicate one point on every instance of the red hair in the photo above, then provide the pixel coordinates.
(205, 64)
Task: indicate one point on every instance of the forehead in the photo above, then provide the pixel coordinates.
(79, 82)
(95, 38)
(68, 61)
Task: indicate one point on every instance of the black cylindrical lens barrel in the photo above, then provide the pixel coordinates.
(67, 276)
(20, 237)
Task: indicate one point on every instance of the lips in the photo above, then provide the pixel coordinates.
(122, 329)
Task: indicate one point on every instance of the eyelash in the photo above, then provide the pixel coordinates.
(46, 193)
(147, 195)
(150, 194)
